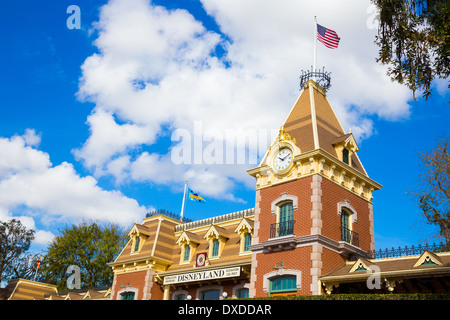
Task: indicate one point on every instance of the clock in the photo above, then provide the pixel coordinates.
(283, 160)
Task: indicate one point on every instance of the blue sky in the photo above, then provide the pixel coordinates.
(88, 116)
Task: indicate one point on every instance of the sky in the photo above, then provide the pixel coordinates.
(108, 107)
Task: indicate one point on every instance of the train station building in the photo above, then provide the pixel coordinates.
(310, 232)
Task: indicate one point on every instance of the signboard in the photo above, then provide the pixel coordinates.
(200, 260)
(210, 274)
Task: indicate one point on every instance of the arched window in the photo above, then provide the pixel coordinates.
(243, 293)
(345, 225)
(285, 225)
(127, 296)
(213, 294)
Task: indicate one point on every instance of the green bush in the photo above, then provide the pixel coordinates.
(412, 296)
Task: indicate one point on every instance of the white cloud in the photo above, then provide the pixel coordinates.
(17, 156)
(157, 68)
(42, 237)
(32, 188)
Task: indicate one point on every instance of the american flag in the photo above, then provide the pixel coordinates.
(328, 37)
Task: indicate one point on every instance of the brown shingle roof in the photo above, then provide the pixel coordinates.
(400, 264)
(312, 115)
(21, 289)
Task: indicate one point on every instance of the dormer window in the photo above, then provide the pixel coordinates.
(245, 230)
(345, 156)
(137, 241)
(138, 235)
(345, 147)
(187, 252)
(217, 237)
(247, 241)
(188, 243)
(215, 248)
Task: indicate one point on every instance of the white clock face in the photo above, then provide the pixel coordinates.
(282, 160)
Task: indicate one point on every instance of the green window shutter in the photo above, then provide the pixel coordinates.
(243, 293)
(345, 229)
(136, 243)
(285, 221)
(215, 248)
(345, 156)
(187, 252)
(247, 241)
(283, 284)
(127, 296)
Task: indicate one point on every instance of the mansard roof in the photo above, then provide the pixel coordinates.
(313, 124)
(394, 266)
(164, 237)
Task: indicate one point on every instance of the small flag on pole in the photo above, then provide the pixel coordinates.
(38, 264)
(194, 196)
(328, 37)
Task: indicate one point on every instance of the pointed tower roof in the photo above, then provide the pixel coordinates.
(314, 125)
(317, 143)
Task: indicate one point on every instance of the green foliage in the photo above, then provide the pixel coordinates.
(433, 192)
(15, 240)
(414, 40)
(89, 246)
(412, 296)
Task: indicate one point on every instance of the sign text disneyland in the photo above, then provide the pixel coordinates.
(203, 275)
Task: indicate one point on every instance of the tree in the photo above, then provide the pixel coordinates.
(15, 240)
(89, 246)
(414, 40)
(433, 196)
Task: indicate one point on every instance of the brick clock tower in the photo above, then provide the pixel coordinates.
(313, 206)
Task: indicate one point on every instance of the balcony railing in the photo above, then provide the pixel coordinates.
(282, 229)
(350, 236)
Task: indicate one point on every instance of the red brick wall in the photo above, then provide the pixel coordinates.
(302, 216)
(136, 280)
(332, 194)
(331, 261)
(298, 259)
(192, 288)
(157, 291)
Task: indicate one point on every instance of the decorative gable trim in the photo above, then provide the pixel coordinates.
(361, 265)
(187, 238)
(216, 232)
(138, 230)
(245, 226)
(428, 258)
(346, 141)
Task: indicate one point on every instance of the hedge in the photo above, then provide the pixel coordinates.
(400, 296)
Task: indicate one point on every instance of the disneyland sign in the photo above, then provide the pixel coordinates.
(203, 275)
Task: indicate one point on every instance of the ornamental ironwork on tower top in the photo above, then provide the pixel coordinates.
(321, 77)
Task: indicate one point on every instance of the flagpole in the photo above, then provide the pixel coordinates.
(37, 268)
(184, 200)
(315, 48)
